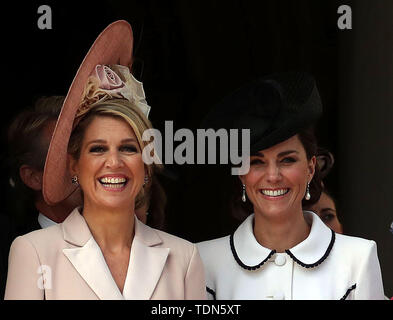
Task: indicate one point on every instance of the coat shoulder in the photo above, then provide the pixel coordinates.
(216, 251)
(354, 245)
(41, 238)
(171, 240)
(210, 246)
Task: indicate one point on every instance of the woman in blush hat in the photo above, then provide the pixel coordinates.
(102, 251)
(281, 251)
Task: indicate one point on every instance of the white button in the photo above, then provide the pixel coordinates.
(279, 296)
(280, 260)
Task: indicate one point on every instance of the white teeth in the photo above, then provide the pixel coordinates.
(275, 193)
(113, 186)
(112, 180)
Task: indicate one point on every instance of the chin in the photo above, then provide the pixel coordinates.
(115, 205)
(273, 210)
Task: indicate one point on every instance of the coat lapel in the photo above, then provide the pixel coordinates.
(90, 264)
(145, 267)
(87, 258)
(146, 263)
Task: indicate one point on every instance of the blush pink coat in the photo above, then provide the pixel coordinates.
(65, 262)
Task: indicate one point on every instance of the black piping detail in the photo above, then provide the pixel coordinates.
(240, 263)
(312, 265)
(348, 292)
(211, 291)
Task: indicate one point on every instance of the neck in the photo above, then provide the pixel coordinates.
(112, 229)
(56, 213)
(280, 233)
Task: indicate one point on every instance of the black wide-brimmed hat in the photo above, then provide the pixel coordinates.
(274, 108)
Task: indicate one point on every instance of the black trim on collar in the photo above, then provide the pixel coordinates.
(212, 292)
(240, 263)
(312, 265)
(348, 292)
(305, 265)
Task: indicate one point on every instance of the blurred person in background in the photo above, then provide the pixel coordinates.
(29, 136)
(326, 206)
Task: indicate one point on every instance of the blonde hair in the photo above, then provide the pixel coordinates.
(118, 108)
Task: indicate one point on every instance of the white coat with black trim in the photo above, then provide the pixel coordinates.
(325, 265)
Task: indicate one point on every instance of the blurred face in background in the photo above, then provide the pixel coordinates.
(325, 208)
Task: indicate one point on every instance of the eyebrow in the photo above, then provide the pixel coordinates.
(281, 154)
(325, 210)
(104, 141)
(129, 140)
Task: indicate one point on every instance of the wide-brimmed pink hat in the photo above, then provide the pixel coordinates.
(113, 46)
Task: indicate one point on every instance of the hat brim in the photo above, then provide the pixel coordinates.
(113, 46)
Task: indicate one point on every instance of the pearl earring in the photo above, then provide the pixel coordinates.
(308, 195)
(244, 193)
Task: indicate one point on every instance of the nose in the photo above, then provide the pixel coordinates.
(273, 174)
(114, 160)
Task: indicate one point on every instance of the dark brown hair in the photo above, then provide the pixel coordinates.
(156, 201)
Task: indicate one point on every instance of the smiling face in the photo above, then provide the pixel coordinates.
(110, 169)
(277, 180)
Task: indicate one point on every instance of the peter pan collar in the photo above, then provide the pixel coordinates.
(309, 253)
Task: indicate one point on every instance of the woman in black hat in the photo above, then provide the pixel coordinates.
(281, 251)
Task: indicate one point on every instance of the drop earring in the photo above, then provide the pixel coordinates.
(244, 193)
(146, 180)
(308, 195)
(74, 180)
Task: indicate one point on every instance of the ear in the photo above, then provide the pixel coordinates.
(72, 164)
(311, 166)
(31, 177)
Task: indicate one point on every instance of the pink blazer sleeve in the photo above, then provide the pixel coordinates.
(195, 286)
(23, 280)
